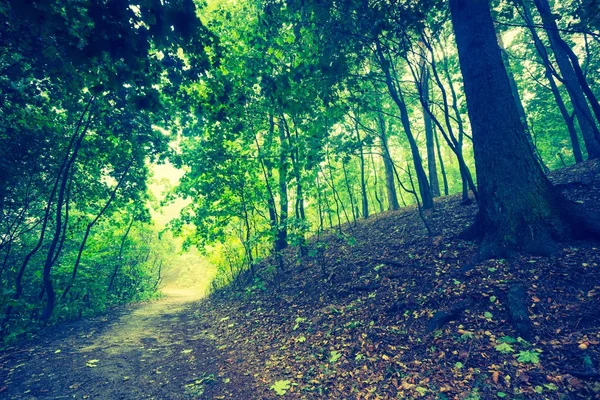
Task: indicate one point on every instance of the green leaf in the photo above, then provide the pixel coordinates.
(421, 390)
(281, 387)
(301, 339)
(488, 315)
(493, 299)
(504, 348)
(507, 339)
(458, 365)
(501, 395)
(550, 386)
(528, 356)
(334, 356)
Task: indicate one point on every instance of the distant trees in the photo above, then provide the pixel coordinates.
(359, 106)
(83, 89)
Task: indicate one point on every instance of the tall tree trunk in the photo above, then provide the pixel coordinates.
(47, 211)
(519, 207)
(283, 194)
(464, 172)
(297, 170)
(376, 184)
(319, 204)
(334, 193)
(47, 283)
(91, 224)
(587, 124)
(350, 191)
(363, 182)
(388, 167)
(396, 95)
(429, 141)
(267, 175)
(248, 231)
(513, 84)
(453, 143)
(442, 168)
(120, 257)
(548, 72)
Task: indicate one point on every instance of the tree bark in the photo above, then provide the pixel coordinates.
(376, 184)
(47, 283)
(267, 175)
(517, 97)
(519, 207)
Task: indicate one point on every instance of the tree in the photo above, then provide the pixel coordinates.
(548, 73)
(573, 81)
(519, 207)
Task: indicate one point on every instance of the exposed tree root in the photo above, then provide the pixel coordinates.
(517, 306)
(441, 318)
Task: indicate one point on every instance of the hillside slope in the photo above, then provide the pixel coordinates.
(356, 320)
(383, 311)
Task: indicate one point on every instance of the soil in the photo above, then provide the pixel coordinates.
(157, 350)
(379, 311)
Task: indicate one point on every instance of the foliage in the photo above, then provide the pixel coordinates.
(86, 89)
(528, 356)
(505, 348)
(281, 387)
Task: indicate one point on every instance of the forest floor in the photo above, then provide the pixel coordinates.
(352, 320)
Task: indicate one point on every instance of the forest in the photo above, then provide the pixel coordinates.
(351, 152)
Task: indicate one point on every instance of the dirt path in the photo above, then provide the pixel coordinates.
(158, 350)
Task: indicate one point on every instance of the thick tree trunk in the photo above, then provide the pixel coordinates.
(519, 207)
(517, 98)
(587, 124)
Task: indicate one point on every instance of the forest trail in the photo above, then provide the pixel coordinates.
(156, 350)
